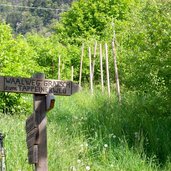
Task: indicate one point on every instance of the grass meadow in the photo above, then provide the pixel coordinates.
(94, 132)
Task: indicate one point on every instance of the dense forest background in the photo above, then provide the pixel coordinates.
(34, 15)
(34, 33)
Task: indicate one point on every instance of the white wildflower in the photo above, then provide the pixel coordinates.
(86, 144)
(105, 146)
(87, 167)
(78, 161)
(114, 136)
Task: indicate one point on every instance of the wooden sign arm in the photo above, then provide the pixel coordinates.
(75, 88)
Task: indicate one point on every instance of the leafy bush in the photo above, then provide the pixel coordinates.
(11, 103)
(17, 59)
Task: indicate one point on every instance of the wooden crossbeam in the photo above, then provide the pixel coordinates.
(37, 86)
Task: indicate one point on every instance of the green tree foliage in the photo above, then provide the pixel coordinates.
(147, 38)
(87, 19)
(144, 52)
(17, 59)
(143, 37)
(48, 50)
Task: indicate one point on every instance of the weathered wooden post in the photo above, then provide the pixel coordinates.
(91, 74)
(31, 136)
(39, 108)
(59, 67)
(72, 73)
(116, 72)
(81, 64)
(53, 67)
(2, 154)
(115, 63)
(107, 69)
(101, 68)
(94, 58)
(36, 128)
(43, 101)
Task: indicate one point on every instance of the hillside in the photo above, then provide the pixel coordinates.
(36, 15)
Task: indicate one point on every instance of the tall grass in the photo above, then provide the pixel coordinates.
(95, 132)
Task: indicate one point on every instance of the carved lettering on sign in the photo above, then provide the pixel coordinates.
(36, 86)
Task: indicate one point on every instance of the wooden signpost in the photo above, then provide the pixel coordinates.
(37, 86)
(43, 91)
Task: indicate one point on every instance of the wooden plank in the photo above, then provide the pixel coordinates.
(1, 83)
(31, 137)
(75, 88)
(30, 123)
(31, 142)
(33, 154)
(35, 86)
